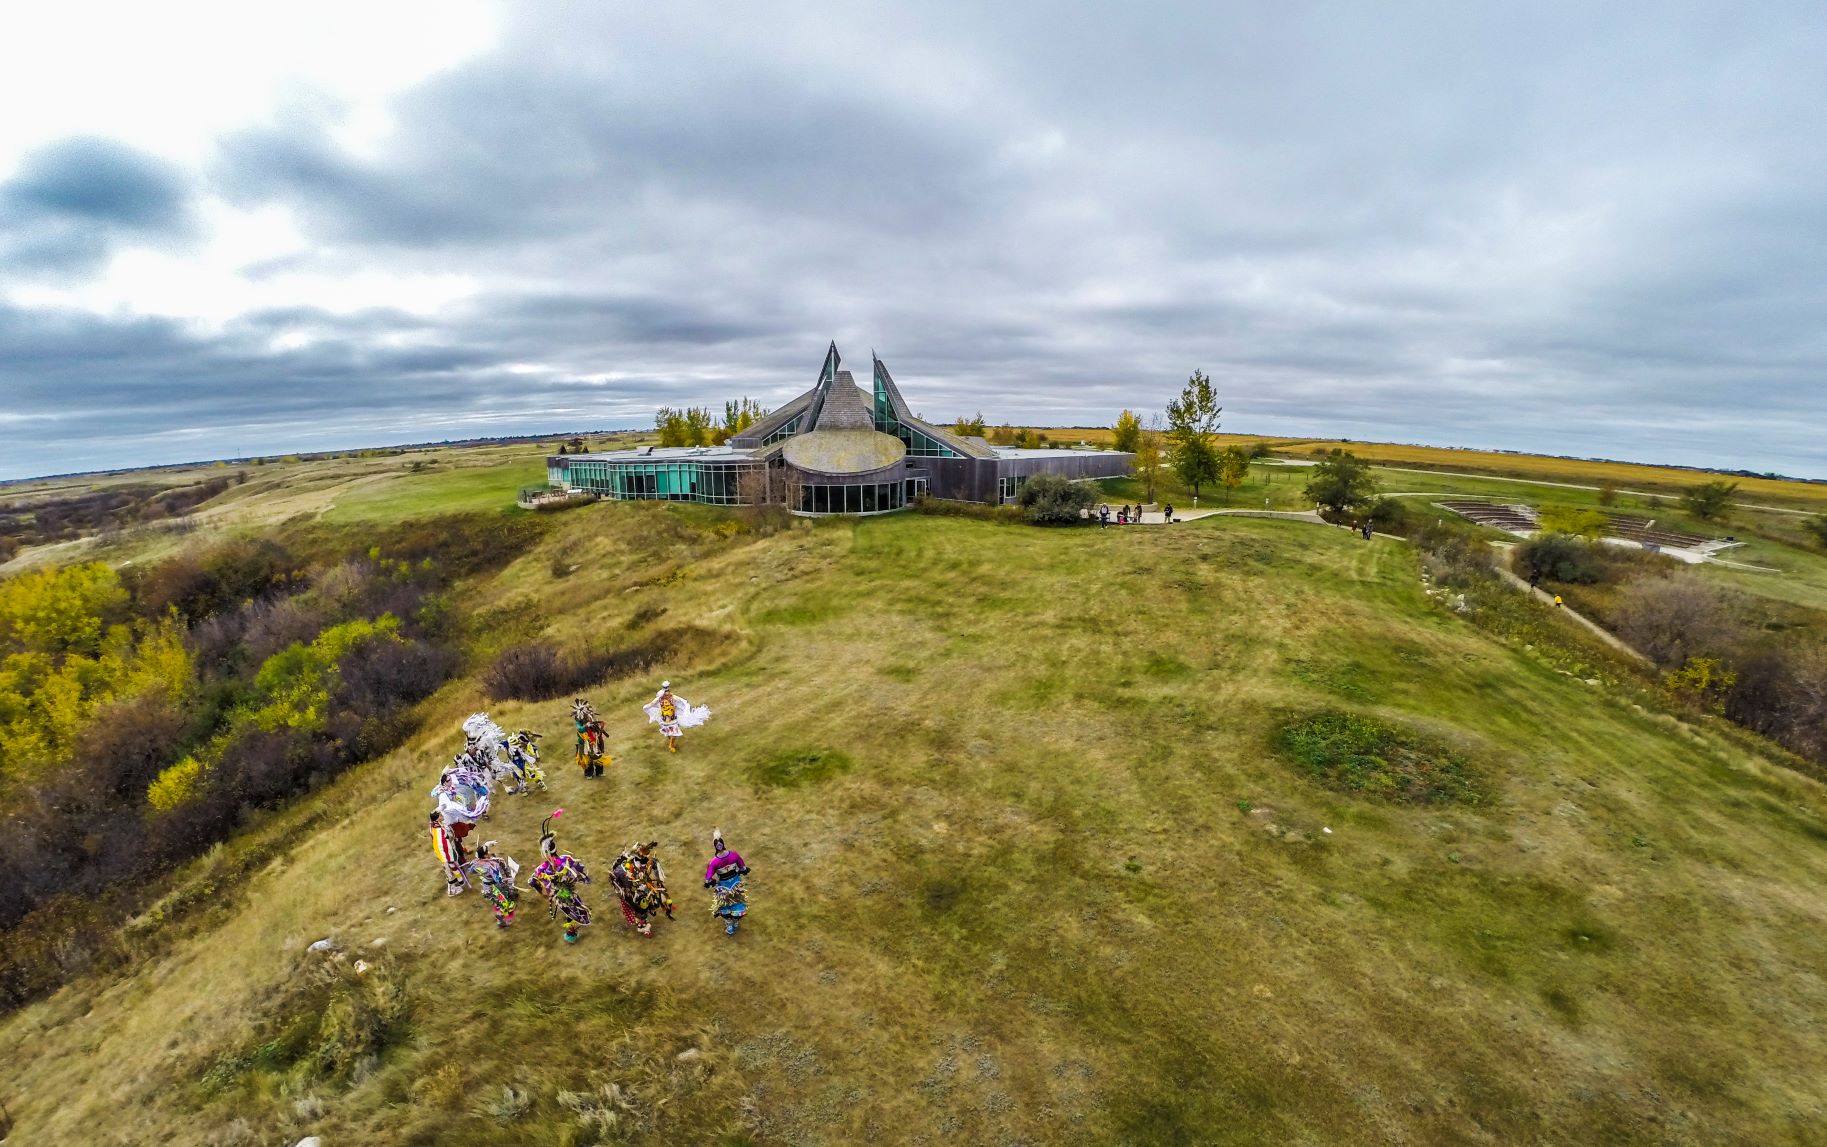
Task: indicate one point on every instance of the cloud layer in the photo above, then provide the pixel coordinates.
(1576, 231)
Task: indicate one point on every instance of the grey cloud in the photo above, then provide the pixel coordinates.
(1565, 228)
(71, 203)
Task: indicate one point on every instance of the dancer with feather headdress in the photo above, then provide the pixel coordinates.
(674, 715)
(640, 864)
(592, 738)
(557, 879)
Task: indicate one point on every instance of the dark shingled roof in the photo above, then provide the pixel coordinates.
(846, 407)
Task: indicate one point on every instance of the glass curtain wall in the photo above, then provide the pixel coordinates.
(665, 481)
(855, 498)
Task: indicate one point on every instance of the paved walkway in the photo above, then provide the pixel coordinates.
(1597, 630)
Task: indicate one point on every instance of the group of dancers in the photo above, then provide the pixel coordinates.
(492, 759)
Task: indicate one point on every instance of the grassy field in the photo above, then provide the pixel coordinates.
(1029, 868)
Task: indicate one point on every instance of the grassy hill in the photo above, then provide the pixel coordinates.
(1058, 836)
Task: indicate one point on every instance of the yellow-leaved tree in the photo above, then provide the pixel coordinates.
(66, 651)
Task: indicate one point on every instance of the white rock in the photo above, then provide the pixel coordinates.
(1326, 831)
(689, 1053)
(309, 1141)
(324, 945)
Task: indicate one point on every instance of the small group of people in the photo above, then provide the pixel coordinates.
(672, 713)
(1127, 515)
(636, 875)
(492, 760)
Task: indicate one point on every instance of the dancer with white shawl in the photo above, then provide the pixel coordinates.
(674, 715)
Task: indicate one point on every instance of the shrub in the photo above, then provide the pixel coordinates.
(1386, 514)
(1360, 754)
(949, 508)
(1453, 555)
(527, 673)
(1817, 526)
(175, 785)
(1670, 619)
(1781, 692)
(537, 671)
(1054, 500)
(1560, 557)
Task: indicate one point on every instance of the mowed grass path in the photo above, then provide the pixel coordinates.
(1047, 881)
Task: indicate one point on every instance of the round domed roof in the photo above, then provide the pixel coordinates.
(844, 451)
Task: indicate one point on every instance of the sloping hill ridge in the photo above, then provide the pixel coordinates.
(1047, 880)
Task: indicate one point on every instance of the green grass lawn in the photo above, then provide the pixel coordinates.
(1029, 868)
(446, 489)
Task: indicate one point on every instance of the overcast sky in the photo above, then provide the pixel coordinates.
(1593, 229)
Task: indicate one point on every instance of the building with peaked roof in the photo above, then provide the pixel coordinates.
(836, 449)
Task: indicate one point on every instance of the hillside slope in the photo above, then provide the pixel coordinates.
(1028, 868)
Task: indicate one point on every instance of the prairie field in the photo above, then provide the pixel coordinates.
(1049, 846)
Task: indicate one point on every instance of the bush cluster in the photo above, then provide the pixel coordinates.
(282, 669)
(948, 508)
(540, 671)
(1054, 500)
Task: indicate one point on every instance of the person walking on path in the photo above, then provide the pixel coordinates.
(1557, 601)
(1167, 512)
(1103, 516)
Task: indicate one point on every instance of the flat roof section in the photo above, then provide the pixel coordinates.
(1041, 451)
(668, 454)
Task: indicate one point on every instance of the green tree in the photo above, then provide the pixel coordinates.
(1053, 500)
(1127, 432)
(1341, 482)
(672, 427)
(1233, 467)
(1147, 464)
(739, 414)
(1574, 521)
(969, 427)
(1710, 501)
(1192, 427)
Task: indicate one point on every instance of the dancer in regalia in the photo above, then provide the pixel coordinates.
(449, 851)
(639, 903)
(591, 738)
(674, 715)
(557, 879)
(485, 744)
(495, 874)
(462, 798)
(523, 755)
(723, 876)
(640, 864)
